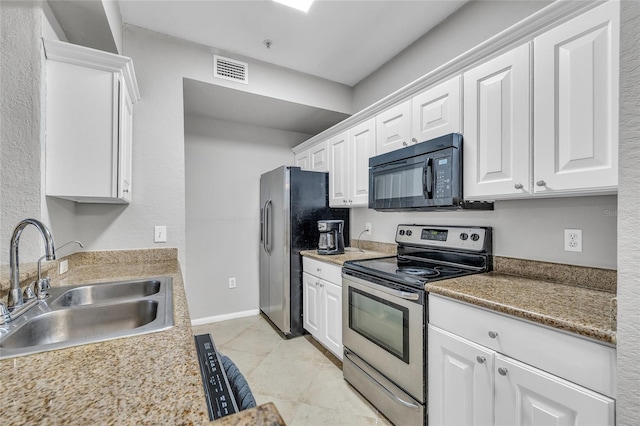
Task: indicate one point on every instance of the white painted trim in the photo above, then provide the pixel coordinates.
(218, 318)
(522, 32)
(92, 58)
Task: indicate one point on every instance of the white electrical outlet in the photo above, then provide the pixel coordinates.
(63, 267)
(573, 239)
(160, 234)
(232, 282)
(367, 227)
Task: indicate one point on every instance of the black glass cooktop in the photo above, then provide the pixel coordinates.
(406, 271)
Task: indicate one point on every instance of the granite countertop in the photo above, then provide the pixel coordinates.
(578, 300)
(370, 250)
(148, 379)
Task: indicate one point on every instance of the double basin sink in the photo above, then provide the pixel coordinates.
(90, 313)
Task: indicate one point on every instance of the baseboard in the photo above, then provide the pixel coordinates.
(217, 318)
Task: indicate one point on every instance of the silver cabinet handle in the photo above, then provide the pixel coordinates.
(503, 371)
(493, 334)
(518, 186)
(481, 359)
(541, 183)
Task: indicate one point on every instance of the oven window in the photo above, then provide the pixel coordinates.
(380, 321)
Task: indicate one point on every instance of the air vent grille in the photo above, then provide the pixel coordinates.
(230, 69)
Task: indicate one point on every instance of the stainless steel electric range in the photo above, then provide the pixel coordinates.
(385, 313)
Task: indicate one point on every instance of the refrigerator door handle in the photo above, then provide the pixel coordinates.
(267, 223)
(262, 226)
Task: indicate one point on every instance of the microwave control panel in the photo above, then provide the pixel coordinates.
(469, 238)
(442, 177)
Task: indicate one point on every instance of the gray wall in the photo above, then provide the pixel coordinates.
(21, 168)
(472, 24)
(525, 229)
(628, 402)
(224, 162)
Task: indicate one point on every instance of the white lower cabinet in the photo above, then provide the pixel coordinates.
(484, 384)
(322, 303)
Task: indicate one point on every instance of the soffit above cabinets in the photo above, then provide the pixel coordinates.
(222, 103)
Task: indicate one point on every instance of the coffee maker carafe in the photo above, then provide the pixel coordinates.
(331, 238)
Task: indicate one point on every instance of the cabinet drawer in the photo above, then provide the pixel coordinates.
(576, 359)
(324, 270)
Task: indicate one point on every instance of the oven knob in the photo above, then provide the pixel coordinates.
(464, 236)
(409, 232)
(475, 237)
(401, 232)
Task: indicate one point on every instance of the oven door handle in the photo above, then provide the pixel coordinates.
(407, 295)
(390, 394)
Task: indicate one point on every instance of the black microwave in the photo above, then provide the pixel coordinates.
(425, 176)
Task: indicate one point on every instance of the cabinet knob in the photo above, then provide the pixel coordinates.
(493, 334)
(518, 186)
(414, 140)
(503, 371)
(317, 283)
(321, 285)
(404, 143)
(125, 190)
(541, 183)
(318, 269)
(481, 359)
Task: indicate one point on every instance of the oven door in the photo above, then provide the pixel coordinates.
(385, 327)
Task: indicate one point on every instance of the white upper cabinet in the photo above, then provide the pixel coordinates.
(432, 113)
(497, 126)
(318, 157)
(576, 71)
(393, 128)
(301, 160)
(314, 158)
(437, 111)
(89, 124)
(349, 154)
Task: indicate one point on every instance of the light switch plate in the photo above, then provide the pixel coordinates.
(160, 233)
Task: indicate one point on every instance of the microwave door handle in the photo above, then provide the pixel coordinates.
(427, 179)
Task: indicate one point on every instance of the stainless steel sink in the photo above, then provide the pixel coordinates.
(105, 293)
(90, 313)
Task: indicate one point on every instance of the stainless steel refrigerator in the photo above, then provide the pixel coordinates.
(292, 201)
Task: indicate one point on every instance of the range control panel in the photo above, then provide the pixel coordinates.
(471, 238)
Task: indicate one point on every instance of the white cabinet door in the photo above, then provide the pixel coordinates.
(311, 303)
(89, 124)
(332, 312)
(393, 128)
(497, 127)
(576, 71)
(125, 146)
(362, 146)
(526, 396)
(460, 380)
(437, 111)
(338, 170)
(301, 160)
(318, 161)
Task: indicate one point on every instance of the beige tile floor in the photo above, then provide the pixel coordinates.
(302, 378)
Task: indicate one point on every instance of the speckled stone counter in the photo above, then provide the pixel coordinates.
(149, 379)
(370, 250)
(571, 298)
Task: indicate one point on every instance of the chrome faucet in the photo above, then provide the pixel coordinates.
(15, 299)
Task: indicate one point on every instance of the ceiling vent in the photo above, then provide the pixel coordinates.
(230, 69)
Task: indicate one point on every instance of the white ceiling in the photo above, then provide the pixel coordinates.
(343, 41)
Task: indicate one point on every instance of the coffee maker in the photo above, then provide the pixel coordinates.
(331, 237)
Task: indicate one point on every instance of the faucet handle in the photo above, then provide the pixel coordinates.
(41, 288)
(28, 293)
(5, 317)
